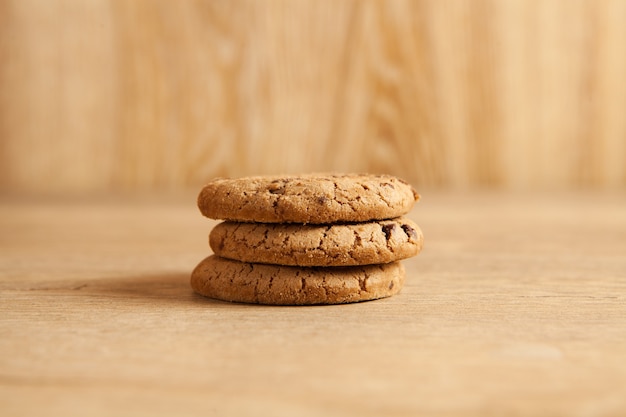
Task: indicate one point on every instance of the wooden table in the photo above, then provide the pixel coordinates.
(516, 306)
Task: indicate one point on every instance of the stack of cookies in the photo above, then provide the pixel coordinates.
(311, 239)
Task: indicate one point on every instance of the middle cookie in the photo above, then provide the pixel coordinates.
(376, 242)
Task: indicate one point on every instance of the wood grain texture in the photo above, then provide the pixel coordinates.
(100, 95)
(516, 306)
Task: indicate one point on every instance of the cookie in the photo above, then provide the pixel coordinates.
(228, 280)
(315, 198)
(376, 242)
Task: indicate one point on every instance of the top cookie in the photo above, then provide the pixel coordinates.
(313, 198)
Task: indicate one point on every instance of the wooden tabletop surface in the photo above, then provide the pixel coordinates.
(516, 306)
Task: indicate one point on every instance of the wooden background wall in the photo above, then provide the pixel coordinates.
(98, 95)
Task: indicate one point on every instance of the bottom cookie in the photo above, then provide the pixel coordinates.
(228, 280)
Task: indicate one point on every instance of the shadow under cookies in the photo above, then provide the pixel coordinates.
(167, 288)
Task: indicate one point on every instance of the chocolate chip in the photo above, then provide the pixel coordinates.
(322, 200)
(409, 231)
(391, 285)
(387, 229)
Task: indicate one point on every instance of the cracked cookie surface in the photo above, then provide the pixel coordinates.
(314, 198)
(235, 281)
(376, 242)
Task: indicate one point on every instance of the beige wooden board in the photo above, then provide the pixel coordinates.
(101, 95)
(517, 306)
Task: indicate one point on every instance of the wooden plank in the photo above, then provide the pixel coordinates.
(517, 306)
(104, 95)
